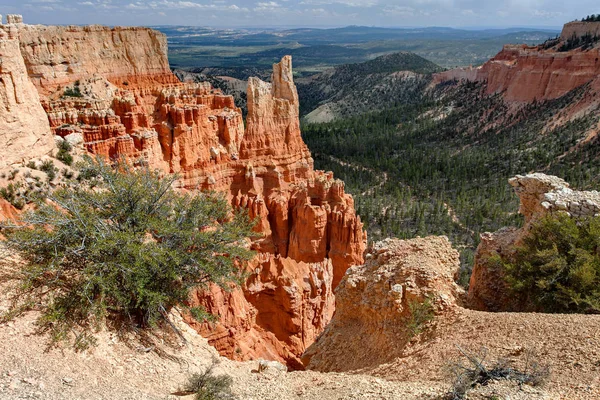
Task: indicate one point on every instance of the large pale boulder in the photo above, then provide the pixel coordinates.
(375, 303)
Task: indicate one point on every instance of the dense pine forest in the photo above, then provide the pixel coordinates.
(440, 165)
(353, 89)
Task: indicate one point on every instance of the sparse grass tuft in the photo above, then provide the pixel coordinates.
(208, 386)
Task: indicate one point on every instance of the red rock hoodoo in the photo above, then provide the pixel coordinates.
(112, 90)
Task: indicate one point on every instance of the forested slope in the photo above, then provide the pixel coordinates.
(353, 89)
(439, 164)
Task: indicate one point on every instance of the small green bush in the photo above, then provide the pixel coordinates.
(64, 153)
(420, 314)
(68, 174)
(557, 267)
(75, 91)
(131, 248)
(48, 167)
(13, 174)
(200, 314)
(207, 386)
(12, 194)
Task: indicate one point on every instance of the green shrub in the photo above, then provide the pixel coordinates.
(557, 267)
(131, 247)
(200, 314)
(11, 194)
(420, 314)
(13, 174)
(67, 173)
(48, 167)
(74, 91)
(207, 386)
(64, 153)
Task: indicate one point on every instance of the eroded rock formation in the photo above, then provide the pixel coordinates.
(277, 314)
(527, 73)
(539, 195)
(111, 89)
(371, 325)
(24, 129)
(126, 56)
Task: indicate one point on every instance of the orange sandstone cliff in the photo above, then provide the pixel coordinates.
(111, 91)
(527, 73)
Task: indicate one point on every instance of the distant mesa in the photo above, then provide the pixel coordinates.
(580, 29)
(548, 71)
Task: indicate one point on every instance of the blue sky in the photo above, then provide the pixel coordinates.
(294, 13)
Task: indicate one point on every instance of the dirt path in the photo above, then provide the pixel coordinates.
(382, 177)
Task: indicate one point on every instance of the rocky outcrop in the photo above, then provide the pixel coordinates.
(540, 195)
(126, 56)
(527, 73)
(280, 310)
(376, 303)
(24, 129)
(580, 29)
(111, 89)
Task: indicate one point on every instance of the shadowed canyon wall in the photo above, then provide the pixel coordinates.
(111, 89)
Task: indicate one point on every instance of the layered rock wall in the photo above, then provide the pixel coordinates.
(24, 128)
(527, 73)
(126, 56)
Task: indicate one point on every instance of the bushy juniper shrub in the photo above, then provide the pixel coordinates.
(130, 248)
(64, 153)
(557, 267)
